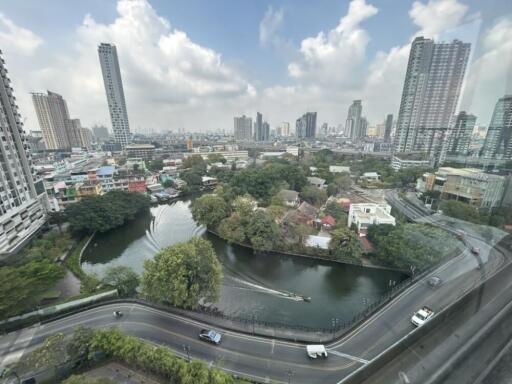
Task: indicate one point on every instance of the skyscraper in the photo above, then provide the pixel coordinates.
(115, 93)
(389, 128)
(433, 80)
(266, 131)
(285, 128)
(353, 122)
(100, 133)
(305, 126)
(260, 134)
(498, 141)
(460, 135)
(59, 131)
(243, 128)
(52, 114)
(21, 211)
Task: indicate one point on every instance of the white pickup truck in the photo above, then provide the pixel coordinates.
(421, 316)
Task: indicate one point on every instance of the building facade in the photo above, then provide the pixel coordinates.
(365, 214)
(285, 129)
(115, 94)
(353, 122)
(305, 126)
(243, 128)
(143, 151)
(22, 213)
(388, 128)
(461, 133)
(53, 117)
(100, 133)
(498, 141)
(259, 129)
(432, 85)
(469, 185)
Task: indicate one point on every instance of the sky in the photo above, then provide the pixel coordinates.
(196, 64)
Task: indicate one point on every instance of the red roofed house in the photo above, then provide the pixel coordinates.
(328, 222)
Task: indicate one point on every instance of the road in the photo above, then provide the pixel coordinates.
(265, 359)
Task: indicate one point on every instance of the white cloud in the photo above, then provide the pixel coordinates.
(491, 72)
(437, 16)
(333, 57)
(270, 25)
(15, 39)
(170, 81)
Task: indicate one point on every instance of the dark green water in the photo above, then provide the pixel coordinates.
(253, 285)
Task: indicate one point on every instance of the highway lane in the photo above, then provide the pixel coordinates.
(265, 359)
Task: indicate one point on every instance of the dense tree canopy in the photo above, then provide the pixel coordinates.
(416, 245)
(183, 274)
(344, 244)
(23, 285)
(313, 195)
(209, 210)
(124, 279)
(262, 231)
(462, 211)
(155, 165)
(196, 163)
(102, 213)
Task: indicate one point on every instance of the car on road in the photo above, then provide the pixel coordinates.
(475, 250)
(316, 350)
(421, 316)
(210, 336)
(435, 281)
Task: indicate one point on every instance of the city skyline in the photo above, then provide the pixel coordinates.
(206, 99)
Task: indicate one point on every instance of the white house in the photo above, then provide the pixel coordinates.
(317, 182)
(365, 214)
(370, 176)
(338, 169)
(289, 198)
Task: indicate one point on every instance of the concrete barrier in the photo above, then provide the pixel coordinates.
(387, 356)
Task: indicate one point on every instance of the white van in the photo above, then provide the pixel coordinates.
(315, 351)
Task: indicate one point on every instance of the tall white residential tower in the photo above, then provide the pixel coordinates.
(115, 94)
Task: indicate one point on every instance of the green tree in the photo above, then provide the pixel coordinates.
(156, 165)
(210, 210)
(196, 163)
(244, 205)
(343, 181)
(79, 345)
(461, 211)
(313, 195)
(232, 229)
(334, 209)
(183, 274)
(193, 178)
(344, 244)
(58, 218)
(102, 213)
(216, 158)
(262, 231)
(123, 278)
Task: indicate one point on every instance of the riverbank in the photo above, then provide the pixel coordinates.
(366, 263)
(74, 264)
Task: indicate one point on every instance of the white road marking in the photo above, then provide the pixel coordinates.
(273, 344)
(20, 344)
(350, 357)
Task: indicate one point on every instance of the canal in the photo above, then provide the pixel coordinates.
(253, 285)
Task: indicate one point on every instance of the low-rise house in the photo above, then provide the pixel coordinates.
(313, 171)
(89, 188)
(209, 182)
(321, 242)
(289, 198)
(370, 177)
(338, 169)
(366, 214)
(308, 211)
(328, 222)
(317, 182)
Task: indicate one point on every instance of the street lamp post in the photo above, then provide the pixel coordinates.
(335, 323)
(289, 372)
(186, 348)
